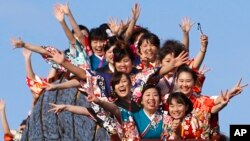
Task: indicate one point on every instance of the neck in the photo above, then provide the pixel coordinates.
(111, 67)
(150, 113)
(189, 94)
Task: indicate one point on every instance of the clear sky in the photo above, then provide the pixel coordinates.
(226, 22)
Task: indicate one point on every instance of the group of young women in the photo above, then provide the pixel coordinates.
(135, 88)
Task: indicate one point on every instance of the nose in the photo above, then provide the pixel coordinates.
(185, 84)
(152, 96)
(99, 44)
(175, 108)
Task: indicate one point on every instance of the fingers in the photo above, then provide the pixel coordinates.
(55, 108)
(239, 82)
(244, 86)
(67, 3)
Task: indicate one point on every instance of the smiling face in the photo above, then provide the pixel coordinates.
(185, 83)
(148, 50)
(150, 100)
(166, 61)
(109, 55)
(122, 88)
(98, 47)
(177, 110)
(124, 65)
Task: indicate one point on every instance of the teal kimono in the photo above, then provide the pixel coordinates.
(148, 129)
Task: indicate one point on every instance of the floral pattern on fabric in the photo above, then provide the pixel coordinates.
(52, 63)
(138, 82)
(36, 85)
(14, 136)
(86, 46)
(95, 85)
(128, 130)
(197, 125)
(104, 118)
(167, 124)
(78, 56)
(200, 80)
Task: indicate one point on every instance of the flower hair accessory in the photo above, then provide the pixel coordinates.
(109, 33)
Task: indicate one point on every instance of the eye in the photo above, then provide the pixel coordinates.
(171, 106)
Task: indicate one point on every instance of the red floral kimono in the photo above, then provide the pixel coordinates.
(197, 125)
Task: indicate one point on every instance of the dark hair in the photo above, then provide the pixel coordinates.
(116, 78)
(149, 37)
(136, 32)
(181, 99)
(185, 68)
(82, 27)
(121, 50)
(110, 42)
(149, 86)
(171, 46)
(97, 34)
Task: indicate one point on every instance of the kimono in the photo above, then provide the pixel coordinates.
(167, 86)
(197, 125)
(200, 80)
(96, 83)
(146, 76)
(127, 129)
(97, 62)
(140, 122)
(36, 85)
(14, 136)
(76, 54)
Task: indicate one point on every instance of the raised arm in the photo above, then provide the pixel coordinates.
(225, 97)
(58, 57)
(3, 117)
(68, 84)
(176, 62)
(57, 108)
(186, 26)
(73, 23)
(135, 15)
(59, 14)
(202, 52)
(19, 43)
(108, 106)
(27, 58)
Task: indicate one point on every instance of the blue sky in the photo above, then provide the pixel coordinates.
(226, 23)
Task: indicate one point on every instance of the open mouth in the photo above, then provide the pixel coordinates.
(122, 91)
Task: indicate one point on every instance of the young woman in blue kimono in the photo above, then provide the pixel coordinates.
(144, 123)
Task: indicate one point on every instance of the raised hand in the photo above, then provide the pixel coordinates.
(58, 12)
(182, 58)
(2, 104)
(186, 24)
(203, 70)
(56, 108)
(65, 8)
(57, 56)
(237, 89)
(124, 24)
(114, 25)
(204, 42)
(17, 43)
(225, 98)
(136, 12)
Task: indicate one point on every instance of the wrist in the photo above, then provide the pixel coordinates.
(22, 44)
(203, 50)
